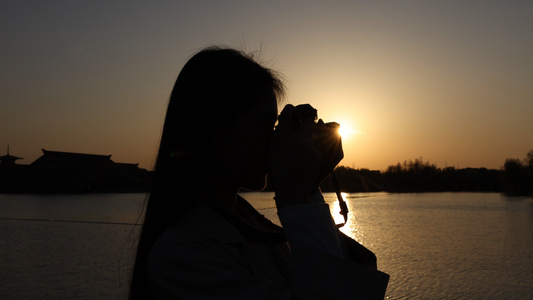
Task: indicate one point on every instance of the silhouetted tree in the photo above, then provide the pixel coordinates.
(422, 176)
(529, 159)
(417, 175)
(517, 176)
(412, 176)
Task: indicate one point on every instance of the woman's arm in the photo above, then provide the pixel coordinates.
(320, 266)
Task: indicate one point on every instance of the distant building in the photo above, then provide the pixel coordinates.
(66, 172)
(11, 173)
(8, 161)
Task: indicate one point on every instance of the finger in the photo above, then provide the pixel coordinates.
(333, 125)
(285, 119)
(306, 129)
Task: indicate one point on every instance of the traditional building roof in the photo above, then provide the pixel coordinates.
(8, 159)
(72, 161)
(67, 172)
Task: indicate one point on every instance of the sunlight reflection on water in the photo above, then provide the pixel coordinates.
(444, 245)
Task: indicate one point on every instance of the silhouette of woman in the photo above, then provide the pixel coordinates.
(200, 240)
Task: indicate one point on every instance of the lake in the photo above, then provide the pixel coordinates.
(434, 245)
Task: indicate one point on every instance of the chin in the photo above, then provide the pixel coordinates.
(257, 186)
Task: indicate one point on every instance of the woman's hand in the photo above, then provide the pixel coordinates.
(294, 161)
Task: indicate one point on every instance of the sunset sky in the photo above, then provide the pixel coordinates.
(448, 81)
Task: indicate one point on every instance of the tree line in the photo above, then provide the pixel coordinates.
(517, 176)
(514, 178)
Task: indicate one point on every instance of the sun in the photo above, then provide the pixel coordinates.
(346, 131)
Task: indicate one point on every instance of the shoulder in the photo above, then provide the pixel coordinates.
(202, 234)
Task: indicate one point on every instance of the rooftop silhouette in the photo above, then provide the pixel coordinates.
(67, 172)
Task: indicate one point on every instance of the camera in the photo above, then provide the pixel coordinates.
(326, 136)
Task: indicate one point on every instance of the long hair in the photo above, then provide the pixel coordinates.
(214, 87)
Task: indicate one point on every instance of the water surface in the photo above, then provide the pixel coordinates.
(434, 246)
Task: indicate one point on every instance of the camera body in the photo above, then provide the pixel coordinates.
(326, 135)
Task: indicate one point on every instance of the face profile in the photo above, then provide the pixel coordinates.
(246, 149)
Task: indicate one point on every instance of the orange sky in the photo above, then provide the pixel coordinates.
(443, 80)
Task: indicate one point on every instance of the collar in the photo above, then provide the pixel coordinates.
(206, 222)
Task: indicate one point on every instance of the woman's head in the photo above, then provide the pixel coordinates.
(213, 91)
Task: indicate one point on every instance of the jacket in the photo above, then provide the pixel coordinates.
(207, 255)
